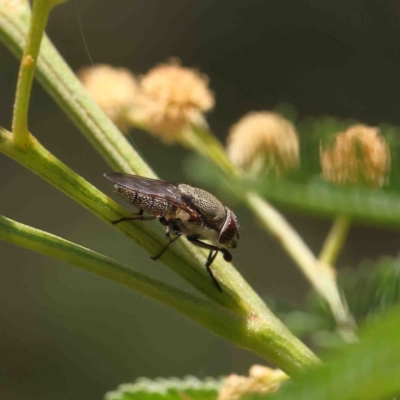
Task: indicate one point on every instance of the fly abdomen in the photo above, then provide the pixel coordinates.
(150, 204)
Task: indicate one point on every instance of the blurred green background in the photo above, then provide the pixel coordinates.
(67, 334)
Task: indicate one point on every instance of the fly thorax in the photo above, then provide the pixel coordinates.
(208, 206)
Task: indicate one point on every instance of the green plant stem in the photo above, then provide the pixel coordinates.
(57, 78)
(280, 347)
(319, 273)
(335, 240)
(236, 294)
(62, 84)
(55, 75)
(40, 14)
(202, 141)
(40, 161)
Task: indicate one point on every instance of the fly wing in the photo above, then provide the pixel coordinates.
(152, 187)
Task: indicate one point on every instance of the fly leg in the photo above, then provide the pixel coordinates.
(170, 241)
(139, 216)
(211, 256)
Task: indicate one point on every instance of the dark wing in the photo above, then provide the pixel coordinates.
(153, 187)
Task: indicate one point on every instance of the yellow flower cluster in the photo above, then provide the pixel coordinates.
(263, 141)
(170, 98)
(115, 90)
(360, 155)
(164, 100)
(261, 380)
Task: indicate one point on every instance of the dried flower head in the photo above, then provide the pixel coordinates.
(358, 155)
(263, 141)
(20, 7)
(262, 380)
(115, 90)
(171, 97)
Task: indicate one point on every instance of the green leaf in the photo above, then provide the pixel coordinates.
(374, 288)
(312, 196)
(189, 388)
(369, 370)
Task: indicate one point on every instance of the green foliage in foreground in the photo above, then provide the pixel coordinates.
(369, 370)
(189, 388)
(308, 195)
(370, 290)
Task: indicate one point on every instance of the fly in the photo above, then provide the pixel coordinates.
(184, 210)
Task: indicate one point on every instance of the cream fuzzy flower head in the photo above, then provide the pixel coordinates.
(171, 97)
(263, 141)
(20, 8)
(360, 155)
(261, 380)
(115, 90)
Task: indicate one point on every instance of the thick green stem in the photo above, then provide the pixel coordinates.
(40, 161)
(321, 275)
(262, 329)
(278, 346)
(40, 14)
(62, 84)
(236, 295)
(202, 141)
(57, 78)
(335, 240)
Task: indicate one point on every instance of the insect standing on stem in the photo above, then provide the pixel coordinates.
(184, 210)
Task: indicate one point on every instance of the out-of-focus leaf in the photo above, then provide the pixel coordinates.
(313, 196)
(189, 388)
(374, 288)
(304, 190)
(369, 370)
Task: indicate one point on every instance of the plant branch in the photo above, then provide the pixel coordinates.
(40, 14)
(319, 273)
(335, 240)
(257, 336)
(62, 84)
(57, 78)
(235, 296)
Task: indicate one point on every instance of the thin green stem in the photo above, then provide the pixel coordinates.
(319, 273)
(267, 335)
(62, 84)
(237, 295)
(335, 240)
(40, 14)
(55, 75)
(202, 141)
(40, 161)
(58, 79)
(279, 347)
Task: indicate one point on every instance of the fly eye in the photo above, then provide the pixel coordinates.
(228, 232)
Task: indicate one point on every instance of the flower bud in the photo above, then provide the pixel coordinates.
(171, 98)
(115, 90)
(360, 155)
(263, 141)
(261, 380)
